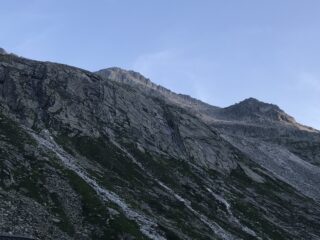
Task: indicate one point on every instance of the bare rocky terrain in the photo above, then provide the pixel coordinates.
(111, 155)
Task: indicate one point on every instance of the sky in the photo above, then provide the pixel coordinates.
(219, 51)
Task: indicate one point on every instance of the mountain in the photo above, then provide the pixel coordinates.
(136, 80)
(111, 155)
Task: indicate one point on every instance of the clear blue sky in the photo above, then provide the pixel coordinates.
(220, 51)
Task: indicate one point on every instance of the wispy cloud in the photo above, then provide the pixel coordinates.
(33, 46)
(148, 62)
(302, 97)
(310, 81)
(179, 71)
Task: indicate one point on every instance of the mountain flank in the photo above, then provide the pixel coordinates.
(111, 155)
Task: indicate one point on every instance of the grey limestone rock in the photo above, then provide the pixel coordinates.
(111, 155)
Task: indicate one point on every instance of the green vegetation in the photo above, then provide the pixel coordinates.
(119, 170)
(112, 159)
(92, 207)
(254, 219)
(96, 212)
(121, 226)
(32, 183)
(57, 208)
(178, 212)
(12, 133)
(253, 214)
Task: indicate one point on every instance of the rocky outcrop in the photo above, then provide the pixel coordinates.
(253, 110)
(148, 87)
(111, 155)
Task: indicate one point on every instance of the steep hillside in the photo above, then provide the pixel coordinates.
(112, 156)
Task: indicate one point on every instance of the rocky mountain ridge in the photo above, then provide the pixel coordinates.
(248, 110)
(93, 156)
(136, 79)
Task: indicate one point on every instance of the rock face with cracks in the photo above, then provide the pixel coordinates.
(111, 155)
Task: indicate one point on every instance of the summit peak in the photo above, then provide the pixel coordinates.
(253, 109)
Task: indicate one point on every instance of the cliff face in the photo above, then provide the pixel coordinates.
(110, 155)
